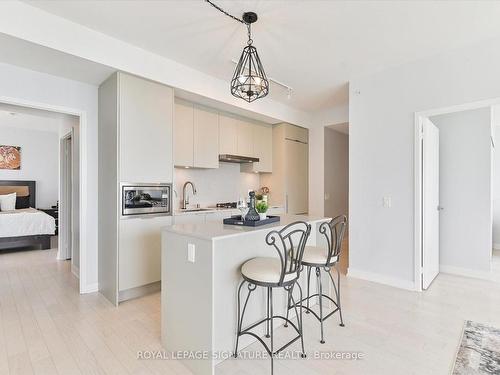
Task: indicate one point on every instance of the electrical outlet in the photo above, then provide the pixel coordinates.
(191, 252)
(387, 202)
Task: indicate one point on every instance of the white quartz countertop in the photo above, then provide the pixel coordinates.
(207, 210)
(216, 230)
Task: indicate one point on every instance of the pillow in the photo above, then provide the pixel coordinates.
(22, 202)
(8, 202)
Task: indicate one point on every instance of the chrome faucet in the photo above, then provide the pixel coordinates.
(185, 198)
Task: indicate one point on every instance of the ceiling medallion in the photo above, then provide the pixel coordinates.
(249, 80)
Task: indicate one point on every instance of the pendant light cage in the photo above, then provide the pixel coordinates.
(249, 80)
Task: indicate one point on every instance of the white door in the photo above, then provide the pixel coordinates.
(430, 203)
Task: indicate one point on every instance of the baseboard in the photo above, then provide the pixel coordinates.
(125, 295)
(92, 288)
(75, 271)
(381, 279)
(484, 275)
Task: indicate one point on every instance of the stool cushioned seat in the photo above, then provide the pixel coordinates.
(265, 270)
(316, 255)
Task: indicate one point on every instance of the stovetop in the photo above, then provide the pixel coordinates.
(227, 205)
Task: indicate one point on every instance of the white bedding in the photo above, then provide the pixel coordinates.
(26, 222)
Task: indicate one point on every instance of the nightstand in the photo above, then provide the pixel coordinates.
(54, 212)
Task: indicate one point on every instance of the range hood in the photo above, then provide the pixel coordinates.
(237, 159)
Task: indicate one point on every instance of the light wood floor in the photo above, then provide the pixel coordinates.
(46, 327)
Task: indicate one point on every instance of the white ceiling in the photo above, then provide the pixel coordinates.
(30, 118)
(313, 46)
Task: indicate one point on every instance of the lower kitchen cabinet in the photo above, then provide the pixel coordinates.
(139, 253)
(204, 217)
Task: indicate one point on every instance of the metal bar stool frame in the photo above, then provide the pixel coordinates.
(334, 232)
(282, 241)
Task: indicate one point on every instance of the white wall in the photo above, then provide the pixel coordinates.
(225, 184)
(336, 173)
(465, 158)
(381, 146)
(26, 85)
(39, 161)
(495, 123)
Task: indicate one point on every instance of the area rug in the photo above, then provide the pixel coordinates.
(479, 351)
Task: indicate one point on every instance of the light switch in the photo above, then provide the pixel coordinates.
(191, 252)
(387, 202)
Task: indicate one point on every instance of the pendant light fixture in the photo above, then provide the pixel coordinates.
(249, 80)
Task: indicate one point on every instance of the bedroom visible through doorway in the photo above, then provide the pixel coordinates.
(44, 183)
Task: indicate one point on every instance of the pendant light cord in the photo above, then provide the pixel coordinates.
(226, 13)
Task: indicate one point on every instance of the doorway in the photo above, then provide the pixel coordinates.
(454, 164)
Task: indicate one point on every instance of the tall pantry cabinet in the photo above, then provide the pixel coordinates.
(135, 146)
(289, 180)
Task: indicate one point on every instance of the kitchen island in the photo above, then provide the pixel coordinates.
(200, 276)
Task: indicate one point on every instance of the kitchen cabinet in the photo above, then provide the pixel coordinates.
(228, 135)
(134, 145)
(139, 253)
(145, 130)
(245, 138)
(206, 138)
(262, 138)
(183, 134)
(289, 182)
(196, 136)
(190, 218)
(204, 217)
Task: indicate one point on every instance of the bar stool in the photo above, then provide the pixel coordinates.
(325, 259)
(275, 272)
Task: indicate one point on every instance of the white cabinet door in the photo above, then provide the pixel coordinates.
(263, 148)
(139, 252)
(183, 134)
(145, 116)
(191, 218)
(228, 135)
(296, 175)
(245, 138)
(206, 138)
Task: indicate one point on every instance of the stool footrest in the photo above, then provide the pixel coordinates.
(247, 331)
(301, 304)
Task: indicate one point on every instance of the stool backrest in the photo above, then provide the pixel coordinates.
(289, 243)
(334, 231)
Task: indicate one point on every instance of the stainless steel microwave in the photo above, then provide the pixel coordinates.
(140, 199)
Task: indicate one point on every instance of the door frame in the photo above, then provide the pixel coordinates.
(66, 197)
(417, 160)
(84, 287)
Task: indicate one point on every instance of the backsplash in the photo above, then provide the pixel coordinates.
(225, 184)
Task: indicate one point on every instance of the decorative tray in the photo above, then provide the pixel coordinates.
(236, 220)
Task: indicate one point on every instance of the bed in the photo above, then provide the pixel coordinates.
(24, 226)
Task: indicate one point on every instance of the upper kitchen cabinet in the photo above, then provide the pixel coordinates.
(262, 138)
(183, 134)
(228, 135)
(245, 139)
(206, 138)
(196, 136)
(145, 130)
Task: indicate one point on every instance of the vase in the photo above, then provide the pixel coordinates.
(262, 215)
(252, 214)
